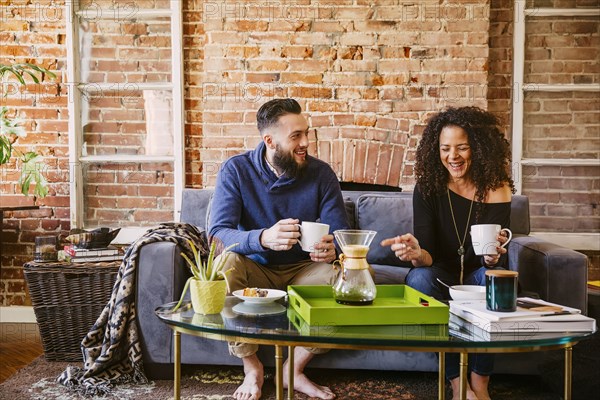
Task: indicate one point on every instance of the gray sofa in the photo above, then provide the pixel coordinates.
(555, 273)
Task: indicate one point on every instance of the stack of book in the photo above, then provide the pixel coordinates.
(74, 254)
(534, 317)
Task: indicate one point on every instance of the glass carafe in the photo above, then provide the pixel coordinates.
(354, 284)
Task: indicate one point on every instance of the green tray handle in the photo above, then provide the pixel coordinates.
(294, 301)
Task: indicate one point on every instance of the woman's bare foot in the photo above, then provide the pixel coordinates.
(480, 383)
(455, 383)
(251, 388)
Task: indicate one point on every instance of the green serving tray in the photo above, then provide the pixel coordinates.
(394, 305)
(404, 331)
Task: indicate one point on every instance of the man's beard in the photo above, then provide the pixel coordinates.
(285, 161)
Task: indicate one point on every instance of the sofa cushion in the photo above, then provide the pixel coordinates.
(389, 215)
(389, 274)
(519, 215)
(195, 206)
(350, 211)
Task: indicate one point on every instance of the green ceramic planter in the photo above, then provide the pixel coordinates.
(208, 297)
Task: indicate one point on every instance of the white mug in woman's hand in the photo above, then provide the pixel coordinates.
(485, 238)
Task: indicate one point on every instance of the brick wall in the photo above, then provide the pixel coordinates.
(34, 31)
(368, 75)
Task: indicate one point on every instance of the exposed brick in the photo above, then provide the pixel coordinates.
(367, 74)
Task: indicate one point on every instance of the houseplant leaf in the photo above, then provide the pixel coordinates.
(10, 129)
(31, 172)
(205, 271)
(5, 150)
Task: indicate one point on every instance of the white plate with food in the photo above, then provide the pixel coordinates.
(258, 309)
(259, 296)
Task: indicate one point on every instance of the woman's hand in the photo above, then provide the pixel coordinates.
(406, 248)
(491, 260)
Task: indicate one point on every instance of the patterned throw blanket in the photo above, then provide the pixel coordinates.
(112, 351)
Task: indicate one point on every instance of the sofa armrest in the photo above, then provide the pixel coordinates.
(556, 273)
(161, 276)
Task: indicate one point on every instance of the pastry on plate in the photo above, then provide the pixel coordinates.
(255, 292)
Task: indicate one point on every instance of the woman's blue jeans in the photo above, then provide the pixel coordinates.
(424, 279)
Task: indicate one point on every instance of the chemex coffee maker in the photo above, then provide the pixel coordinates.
(354, 284)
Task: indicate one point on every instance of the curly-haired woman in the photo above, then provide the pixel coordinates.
(462, 178)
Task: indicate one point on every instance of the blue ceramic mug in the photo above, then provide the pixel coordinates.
(501, 290)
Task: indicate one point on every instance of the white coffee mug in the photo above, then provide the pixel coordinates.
(485, 238)
(311, 233)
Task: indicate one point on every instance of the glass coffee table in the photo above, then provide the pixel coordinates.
(280, 326)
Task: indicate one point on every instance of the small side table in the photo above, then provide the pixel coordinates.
(67, 300)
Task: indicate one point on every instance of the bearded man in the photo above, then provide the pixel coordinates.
(260, 198)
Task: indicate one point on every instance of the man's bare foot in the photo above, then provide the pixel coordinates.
(251, 388)
(309, 388)
(480, 384)
(455, 383)
(301, 381)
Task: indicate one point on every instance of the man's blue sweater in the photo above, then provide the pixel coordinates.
(250, 198)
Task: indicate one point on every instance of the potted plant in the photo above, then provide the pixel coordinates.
(10, 130)
(208, 284)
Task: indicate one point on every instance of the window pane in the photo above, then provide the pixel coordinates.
(562, 3)
(126, 120)
(561, 125)
(127, 194)
(562, 198)
(125, 50)
(562, 50)
(122, 7)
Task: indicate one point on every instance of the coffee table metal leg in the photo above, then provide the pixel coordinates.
(290, 372)
(464, 361)
(177, 365)
(442, 376)
(279, 372)
(568, 371)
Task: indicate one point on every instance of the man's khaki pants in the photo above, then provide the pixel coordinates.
(244, 273)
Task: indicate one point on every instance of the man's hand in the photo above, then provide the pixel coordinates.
(324, 250)
(281, 236)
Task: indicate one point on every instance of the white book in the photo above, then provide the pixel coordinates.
(568, 320)
(472, 331)
(478, 307)
(117, 257)
(77, 252)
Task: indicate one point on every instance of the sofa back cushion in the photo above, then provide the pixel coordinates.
(389, 215)
(195, 206)
(519, 215)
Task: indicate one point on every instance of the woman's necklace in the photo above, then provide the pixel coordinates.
(461, 248)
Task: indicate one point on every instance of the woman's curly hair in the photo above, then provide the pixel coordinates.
(490, 152)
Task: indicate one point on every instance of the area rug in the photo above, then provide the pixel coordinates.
(37, 381)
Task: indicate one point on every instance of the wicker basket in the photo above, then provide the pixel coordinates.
(67, 299)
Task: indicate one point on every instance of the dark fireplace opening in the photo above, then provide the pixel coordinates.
(368, 187)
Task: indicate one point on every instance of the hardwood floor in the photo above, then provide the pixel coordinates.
(20, 344)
